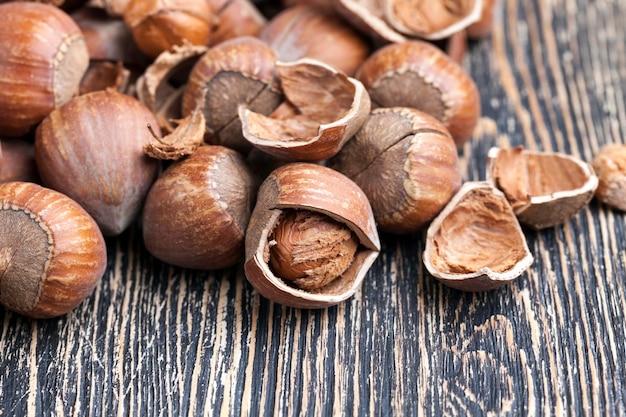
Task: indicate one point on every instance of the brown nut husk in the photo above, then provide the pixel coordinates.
(609, 164)
(418, 74)
(197, 211)
(237, 72)
(325, 108)
(407, 164)
(43, 57)
(368, 17)
(17, 161)
(314, 190)
(545, 189)
(52, 253)
(476, 242)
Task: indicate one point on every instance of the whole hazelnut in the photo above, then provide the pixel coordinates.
(196, 213)
(311, 32)
(311, 237)
(17, 161)
(406, 162)
(418, 74)
(52, 253)
(158, 25)
(43, 57)
(91, 149)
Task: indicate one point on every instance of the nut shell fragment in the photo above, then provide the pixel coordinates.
(476, 242)
(318, 189)
(325, 109)
(544, 188)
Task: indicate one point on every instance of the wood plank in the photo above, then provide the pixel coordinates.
(159, 340)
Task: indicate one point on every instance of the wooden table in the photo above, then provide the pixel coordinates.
(159, 340)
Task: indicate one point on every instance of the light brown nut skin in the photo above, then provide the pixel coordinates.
(52, 253)
(43, 57)
(476, 242)
(417, 74)
(609, 164)
(196, 213)
(407, 164)
(91, 149)
(323, 190)
(545, 189)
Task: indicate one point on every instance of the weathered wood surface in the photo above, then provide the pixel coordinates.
(158, 340)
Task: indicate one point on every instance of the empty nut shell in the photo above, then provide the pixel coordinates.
(544, 188)
(324, 192)
(476, 242)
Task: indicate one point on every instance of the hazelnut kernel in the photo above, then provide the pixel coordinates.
(310, 249)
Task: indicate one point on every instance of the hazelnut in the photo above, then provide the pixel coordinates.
(311, 237)
(544, 188)
(91, 149)
(237, 72)
(418, 74)
(407, 164)
(235, 18)
(158, 25)
(197, 211)
(104, 74)
(609, 164)
(17, 161)
(323, 109)
(43, 57)
(310, 32)
(476, 242)
(52, 253)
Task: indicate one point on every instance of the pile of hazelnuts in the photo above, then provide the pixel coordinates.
(284, 136)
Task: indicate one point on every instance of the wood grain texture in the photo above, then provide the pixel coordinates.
(159, 340)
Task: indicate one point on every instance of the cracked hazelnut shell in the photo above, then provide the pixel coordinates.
(324, 108)
(545, 189)
(407, 164)
(476, 243)
(320, 190)
(52, 253)
(417, 74)
(237, 72)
